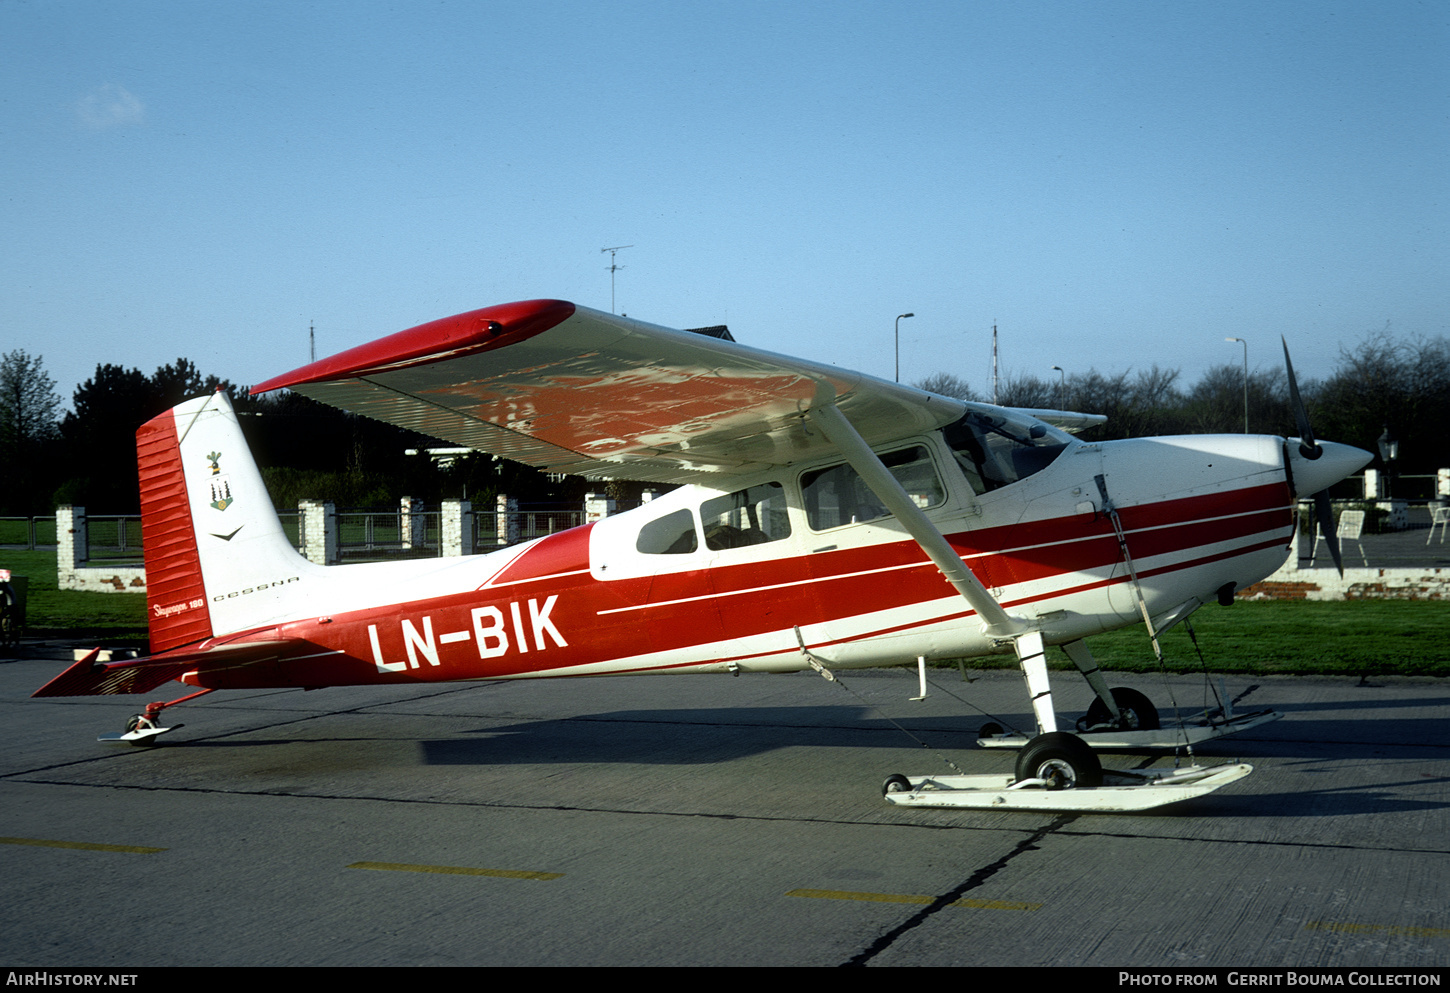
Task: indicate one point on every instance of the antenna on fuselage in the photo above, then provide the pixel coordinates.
(312, 342)
(612, 270)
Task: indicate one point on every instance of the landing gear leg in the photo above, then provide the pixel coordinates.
(143, 728)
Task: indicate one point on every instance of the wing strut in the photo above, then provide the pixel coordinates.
(888, 490)
(996, 621)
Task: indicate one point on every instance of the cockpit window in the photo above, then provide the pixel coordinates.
(994, 448)
(838, 496)
(752, 516)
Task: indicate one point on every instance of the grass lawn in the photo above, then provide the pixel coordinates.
(1293, 637)
(115, 619)
(1356, 637)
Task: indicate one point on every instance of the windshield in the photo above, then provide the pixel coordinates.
(995, 447)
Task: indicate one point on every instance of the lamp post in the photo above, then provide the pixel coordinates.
(1061, 384)
(1246, 380)
(898, 344)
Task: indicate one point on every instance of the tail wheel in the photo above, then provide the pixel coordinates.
(896, 784)
(1136, 710)
(1063, 760)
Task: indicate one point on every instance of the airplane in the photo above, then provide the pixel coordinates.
(824, 519)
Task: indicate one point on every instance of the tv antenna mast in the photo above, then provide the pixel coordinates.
(994, 362)
(613, 269)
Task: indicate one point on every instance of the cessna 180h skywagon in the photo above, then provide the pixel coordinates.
(831, 520)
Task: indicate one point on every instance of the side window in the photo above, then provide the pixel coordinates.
(753, 516)
(673, 534)
(838, 496)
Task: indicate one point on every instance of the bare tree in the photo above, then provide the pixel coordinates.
(947, 385)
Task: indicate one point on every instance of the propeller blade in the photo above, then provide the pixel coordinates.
(1324, 512)
(1307, 445)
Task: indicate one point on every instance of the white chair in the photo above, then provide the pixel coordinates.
(1351, 525)
(1439, 518)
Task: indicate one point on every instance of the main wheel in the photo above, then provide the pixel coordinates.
(1138, 710)
(1063, 759)
(896, 784)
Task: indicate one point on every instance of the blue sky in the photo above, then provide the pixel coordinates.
(1113, 184)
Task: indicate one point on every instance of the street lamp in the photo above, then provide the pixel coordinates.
(1246, 380)
(898, 344)
(1061, 384)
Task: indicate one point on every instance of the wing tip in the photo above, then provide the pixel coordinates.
(472, 331)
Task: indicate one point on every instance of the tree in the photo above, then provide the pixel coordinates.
(28, 405)
(947, 385)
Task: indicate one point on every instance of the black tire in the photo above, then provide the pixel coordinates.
(1063, 759)
(1142, 715)
(989, 730)
(896, 783)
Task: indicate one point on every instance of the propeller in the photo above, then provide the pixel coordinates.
(1318, 477)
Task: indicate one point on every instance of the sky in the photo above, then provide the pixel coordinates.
(1114, 185)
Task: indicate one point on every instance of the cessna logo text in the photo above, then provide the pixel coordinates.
(255, 589)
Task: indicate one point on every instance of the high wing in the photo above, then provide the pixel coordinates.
(574, 390)
(1070, 421)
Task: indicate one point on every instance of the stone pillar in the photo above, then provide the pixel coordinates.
(1372, 484)
(70, 537)
(319, 531)
(412, 524)
(506, 510)
(597, 506)
(456, 527)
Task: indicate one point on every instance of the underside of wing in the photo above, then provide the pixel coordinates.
(579, 391)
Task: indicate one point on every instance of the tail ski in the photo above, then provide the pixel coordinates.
(217, 559)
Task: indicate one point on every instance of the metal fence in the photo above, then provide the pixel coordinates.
(113, 537)
(27, 532)
(494, 530)
(374, 534)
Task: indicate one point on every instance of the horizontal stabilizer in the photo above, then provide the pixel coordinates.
(90, 677)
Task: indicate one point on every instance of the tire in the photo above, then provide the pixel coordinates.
(989, 730)
(896, 784)
(1142, 715)
(1064, 759)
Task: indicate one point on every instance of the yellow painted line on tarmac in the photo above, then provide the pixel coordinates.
(1414, 932)
(83, 845)
(912, 898)
(456, 870)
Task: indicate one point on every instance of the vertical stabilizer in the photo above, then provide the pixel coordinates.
(217, 560)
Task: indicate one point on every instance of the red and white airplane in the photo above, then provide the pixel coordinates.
(831, 520)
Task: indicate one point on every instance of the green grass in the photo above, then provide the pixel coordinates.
(1286, 637)
(1354, 637)
(117, 619)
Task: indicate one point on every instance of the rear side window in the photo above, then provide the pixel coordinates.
(673, 534)
(752, 516)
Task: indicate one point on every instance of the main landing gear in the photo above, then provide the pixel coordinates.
(143, 728)
(1058, 770)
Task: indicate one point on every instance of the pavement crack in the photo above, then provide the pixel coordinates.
(976, 879)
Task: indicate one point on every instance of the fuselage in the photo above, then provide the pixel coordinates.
(737, 578)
